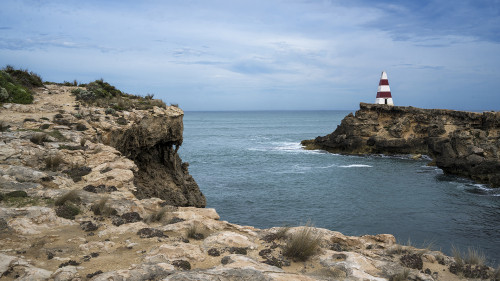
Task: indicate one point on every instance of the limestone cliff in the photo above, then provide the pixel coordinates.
(461, 143)
(151, 140)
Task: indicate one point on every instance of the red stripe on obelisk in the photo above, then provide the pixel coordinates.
(383, 82)
(384, 95)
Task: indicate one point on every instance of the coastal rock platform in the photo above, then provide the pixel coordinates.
(460, 143)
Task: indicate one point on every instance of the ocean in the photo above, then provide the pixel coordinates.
(253, 171)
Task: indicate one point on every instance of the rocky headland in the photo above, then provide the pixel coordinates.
(460, 143)
(93, 192)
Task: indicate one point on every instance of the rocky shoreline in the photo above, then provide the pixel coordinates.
(460, 143)
(88, 193)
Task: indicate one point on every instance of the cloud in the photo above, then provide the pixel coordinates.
(233, 54)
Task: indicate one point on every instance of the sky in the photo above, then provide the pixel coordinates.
(265, 55)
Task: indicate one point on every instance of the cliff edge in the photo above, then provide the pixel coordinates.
(461, 143)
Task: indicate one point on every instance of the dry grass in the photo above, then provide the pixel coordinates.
(39, 138)
(70, 196)
(303, 244)
(52, 162)
(473, 256)
(282, 232)
(194, 233)
(157, 216)
(496, 274)
(101, 209)
(3, 126)
(400, 276)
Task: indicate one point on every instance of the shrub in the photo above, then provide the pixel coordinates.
(67, 211)
(81, 127)
(16, 85)
(39, 138)
(192, 232)
(182, 264)
(302, 244)
(101, 209)
(70, 196)
(400, 276)
(77, 173)
(3, 126)
(110, 111)
(102, 94)
(16, 194)
(24, 77)
(45, 126)
(57, 135)
(473, 256)
(496, 274)
(157, 216)
(121, 121)
(4, 95)
(52, 162)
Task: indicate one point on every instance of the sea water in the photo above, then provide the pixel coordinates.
(253, 171)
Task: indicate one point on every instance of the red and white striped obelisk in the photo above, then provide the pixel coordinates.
(384, 91)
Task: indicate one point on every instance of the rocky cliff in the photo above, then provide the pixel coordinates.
(461, 143)
(93, 194)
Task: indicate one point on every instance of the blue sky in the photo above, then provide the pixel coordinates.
(265, 55)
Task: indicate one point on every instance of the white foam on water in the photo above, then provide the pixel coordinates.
(356, 166)
(288, 147)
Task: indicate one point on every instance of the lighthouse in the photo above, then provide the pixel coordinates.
(384, 91)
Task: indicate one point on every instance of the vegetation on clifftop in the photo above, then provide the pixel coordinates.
(16, 85)
(102, 94)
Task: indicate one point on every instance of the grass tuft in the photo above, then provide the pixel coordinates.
(52, 162)
(101, 209)
(282, 232)
(39, 138)
(70, 196)
(3, 126)
(400, 276)
(496, 274)
(194, 233)
(157, 216)
(303, 244)
(473, 256)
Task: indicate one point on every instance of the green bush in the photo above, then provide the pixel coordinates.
(102, 94)
(16, 85)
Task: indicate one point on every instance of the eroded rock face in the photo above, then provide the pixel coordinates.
(151, 141)
(462, 143)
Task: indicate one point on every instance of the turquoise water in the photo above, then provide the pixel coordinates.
(253, 171)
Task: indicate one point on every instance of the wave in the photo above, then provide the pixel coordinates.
(291, 147)
(482, 189)
(356, 166)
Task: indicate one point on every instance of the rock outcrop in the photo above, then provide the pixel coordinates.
(151, 140)
(461, 143)
(136, 149)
